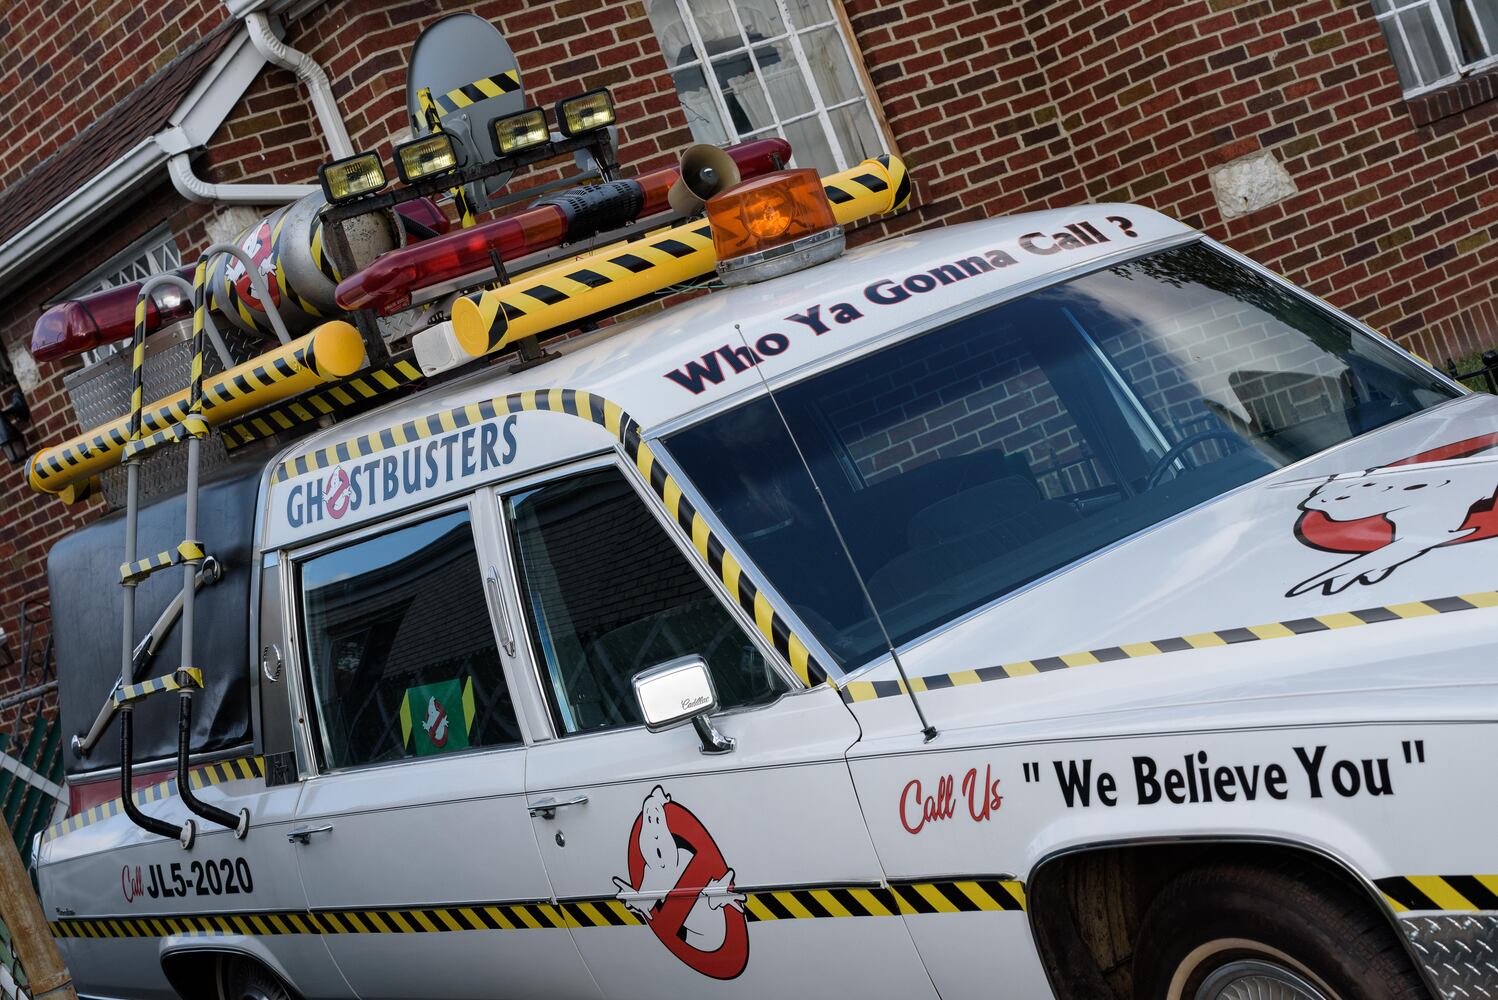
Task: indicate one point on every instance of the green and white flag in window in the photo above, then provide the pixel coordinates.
(436, 718)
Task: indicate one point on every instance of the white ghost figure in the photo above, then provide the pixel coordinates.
(436, 722)
(706, 925)
(1427, 508)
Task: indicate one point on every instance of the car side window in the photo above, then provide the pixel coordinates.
(608, 594)
(399, 646)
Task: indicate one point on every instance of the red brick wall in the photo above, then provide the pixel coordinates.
(998, 106)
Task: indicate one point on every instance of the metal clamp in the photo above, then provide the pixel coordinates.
(547, 808)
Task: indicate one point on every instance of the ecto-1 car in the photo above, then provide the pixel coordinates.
(1054, 606)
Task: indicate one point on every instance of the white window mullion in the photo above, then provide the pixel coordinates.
(839, 155)
(759, 74)
(710, 78)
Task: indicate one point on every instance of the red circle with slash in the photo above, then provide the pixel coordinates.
(668, 917)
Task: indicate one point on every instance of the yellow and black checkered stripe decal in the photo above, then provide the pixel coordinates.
(802, 903)
(238, 769)
(156, 685)
(594, 408)
(186, 551)
(855, 691)
(471, 93)
(333, 401)
(1448, 893)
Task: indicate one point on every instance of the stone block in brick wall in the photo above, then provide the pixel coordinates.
(1250, 183)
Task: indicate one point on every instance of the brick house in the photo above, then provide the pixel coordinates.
(1344, 143)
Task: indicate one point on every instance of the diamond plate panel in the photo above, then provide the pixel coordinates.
(1459, 952)
(101, 392)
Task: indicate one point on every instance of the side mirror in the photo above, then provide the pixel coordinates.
(680, 691)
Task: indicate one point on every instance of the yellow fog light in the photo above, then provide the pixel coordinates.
(518, 132)
(586, 112)
(426, 157)
(352, 177)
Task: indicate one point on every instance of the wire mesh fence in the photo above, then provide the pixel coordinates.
(31, 783)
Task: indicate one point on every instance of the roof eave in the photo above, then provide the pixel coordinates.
(194, 121)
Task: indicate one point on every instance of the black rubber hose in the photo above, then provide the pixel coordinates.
(197, 806)
(127, 794)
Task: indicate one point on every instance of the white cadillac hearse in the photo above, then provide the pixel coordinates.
(1056, 606)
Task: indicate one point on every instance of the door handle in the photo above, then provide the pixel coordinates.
(303, 834)
(547, 808)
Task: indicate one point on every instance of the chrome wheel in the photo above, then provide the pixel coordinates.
(1253, 979)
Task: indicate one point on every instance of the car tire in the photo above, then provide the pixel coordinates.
(246, 979)
(1233, 932)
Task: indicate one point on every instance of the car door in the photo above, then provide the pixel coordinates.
(685, 873)
(415, 849)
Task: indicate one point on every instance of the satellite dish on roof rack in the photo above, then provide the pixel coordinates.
(469, 70)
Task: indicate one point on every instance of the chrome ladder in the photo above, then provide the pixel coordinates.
(198, 568)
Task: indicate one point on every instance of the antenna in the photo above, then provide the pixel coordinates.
(928, 731)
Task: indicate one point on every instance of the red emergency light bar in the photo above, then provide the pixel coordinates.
(387, 284)
(83, 324)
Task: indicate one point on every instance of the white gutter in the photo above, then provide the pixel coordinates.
(310, 73)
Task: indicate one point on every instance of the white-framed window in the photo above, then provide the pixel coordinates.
(748, 69)
(1437, 41)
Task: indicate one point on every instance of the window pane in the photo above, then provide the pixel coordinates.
(830, 66)
(697, 103)
(400, 648)
(608, 595)
(804, 12)
(855, 130)
(1427, 51)
(964, 463)
(761, 19)
(809, 146)
(1407, 75)
(744, 97)
(1461, 28)
(786, 82)
(676, 42)
(1486, 12)
(715, 23)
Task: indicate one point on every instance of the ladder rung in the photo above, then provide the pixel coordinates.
(171, 682)
(188, 551)
(194, 425)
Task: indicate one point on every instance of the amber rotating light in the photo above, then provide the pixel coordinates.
(773, 225)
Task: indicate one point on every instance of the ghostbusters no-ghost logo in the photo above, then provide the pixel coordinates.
(682, 888)
(259, 244)
(1388, 516)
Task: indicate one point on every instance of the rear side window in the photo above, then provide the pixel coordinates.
(400, 649)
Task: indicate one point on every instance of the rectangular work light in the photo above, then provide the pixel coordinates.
(352, 177)
(586, 112)
(426, 157)
(518, 132)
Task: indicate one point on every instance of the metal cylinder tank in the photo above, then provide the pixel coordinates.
(291, 250)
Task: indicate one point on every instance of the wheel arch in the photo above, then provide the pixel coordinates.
(191, 969)
(1086, 950)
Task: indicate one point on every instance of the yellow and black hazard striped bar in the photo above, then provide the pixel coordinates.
(550, 297)
(332, 351)
(186, 551)
(471, 93)
(192, 425)
(594, 408)
(238, 769)
(334, 400)
(1449, 893)
(174, 681)
(869, 690)
(801, 903)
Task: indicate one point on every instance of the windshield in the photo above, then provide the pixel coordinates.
(966, 462)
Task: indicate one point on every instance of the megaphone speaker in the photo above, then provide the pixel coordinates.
(705, 171)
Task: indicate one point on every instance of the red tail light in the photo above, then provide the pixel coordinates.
(424, 212)
(85, 323)
(387, 284)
